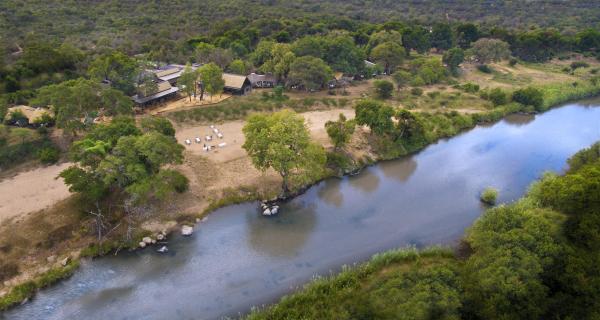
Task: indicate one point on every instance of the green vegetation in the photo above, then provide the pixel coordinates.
(535, 259)
(489, 196)
(120, 158)
(383, 88)
(340, 131)
(26, 290)
(18, 145)
(281, 141)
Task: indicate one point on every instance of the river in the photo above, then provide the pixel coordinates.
(237, 258)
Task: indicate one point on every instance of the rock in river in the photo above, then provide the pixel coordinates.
(187, 230)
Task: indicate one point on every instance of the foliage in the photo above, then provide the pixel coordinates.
(309, 73)
(484, 68)
(48, 155)
(187, 81)
(453, 58)
(211, 77)
(383, 88)
(497, 96)
(119, 157)
(430, 71)
(488, 50)
(489, 196)
(401, 78)
(375, 115)
(117, 68)
(79, 99)
(281, 141)
(579, 64)
(340, 131)
(530, 97)
(388, 54)
(158, 124)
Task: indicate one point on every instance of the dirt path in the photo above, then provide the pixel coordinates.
(31, 191)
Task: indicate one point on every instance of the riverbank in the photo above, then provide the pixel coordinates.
(366, 156)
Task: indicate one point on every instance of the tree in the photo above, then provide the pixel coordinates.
(416, 38)
(76, 102)
(467, 33)
(203, 52)
(428, 71)
(490, 50)
(442, 37)
(281, 141)
(530, 97)
(389, 54)
(187, 81)
(309, 72)
(384, 36)
(238, 66)
(401, 78)
(453, 58)
(375, 115)
(146, 84)
(280, 61)
(117, 68)
(340, 131)
(118, 157)
(211, 77)
(158, 124)
(383, 88)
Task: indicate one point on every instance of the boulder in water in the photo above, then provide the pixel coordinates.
(187, 230)
(147, 240)
(267, 212)
(142, 244)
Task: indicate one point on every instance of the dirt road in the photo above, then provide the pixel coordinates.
(32, 191)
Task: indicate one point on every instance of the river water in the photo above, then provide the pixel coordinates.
(238, 258)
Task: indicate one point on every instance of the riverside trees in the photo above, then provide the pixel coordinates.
(281, 141)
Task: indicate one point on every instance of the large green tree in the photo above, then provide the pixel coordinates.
(281, 141)
(310, 73)
(120, 158)
(375, 115)
(490, 50)
(188, 81)
(389, 54)
(117, 68)
(211, 77)
(76, 102)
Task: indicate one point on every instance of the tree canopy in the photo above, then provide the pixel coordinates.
(281, 141)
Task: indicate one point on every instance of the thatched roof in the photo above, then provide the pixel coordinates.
(234, 81)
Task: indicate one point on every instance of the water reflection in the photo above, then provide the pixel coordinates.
(367, 181)
(285, 234)
(519, 119)
(400, 170)
(331, 193)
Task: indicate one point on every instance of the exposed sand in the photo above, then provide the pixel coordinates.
(32, 191)
(234, 138)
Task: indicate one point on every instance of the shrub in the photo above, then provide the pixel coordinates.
(383, 88)
(497, 97)
(433, 94)
(484, 68)
(512, 62)
(48, 155)
(579, 64)
(416, 91)
(530, 97)
(417, 82)
(489, 196)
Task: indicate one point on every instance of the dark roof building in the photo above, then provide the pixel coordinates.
(164, 91)
(236, 84)
(262, 80)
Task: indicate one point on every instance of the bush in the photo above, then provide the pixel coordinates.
(383, 88)
(579, 64)
(48, 155)
(416, 91)
(530, 97)
(497, 97)
(489, 196)
(512, 62)
(470, 87)
(484, 68)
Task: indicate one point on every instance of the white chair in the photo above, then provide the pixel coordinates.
(222, 144)
(220, 135)
(188, 142)
(198, 140)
